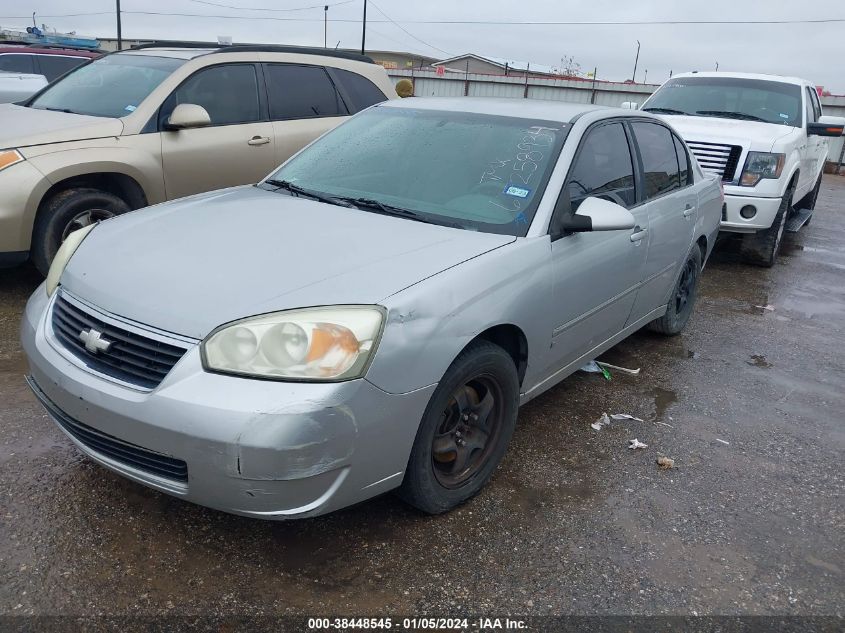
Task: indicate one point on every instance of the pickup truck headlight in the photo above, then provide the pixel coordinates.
(759, 165)
(9, 157)
(312, 344)
(63, 255)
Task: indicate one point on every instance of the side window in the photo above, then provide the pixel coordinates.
(52, 66)
(683, 162)
(660, 163)
(603, 168)
(361, 90)
(15, 63)
(809, 111)
(301, 92)
(229, 93)
(817, 106)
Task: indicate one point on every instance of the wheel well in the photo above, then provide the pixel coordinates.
(511, 339)
(702, 245)
(124, 187)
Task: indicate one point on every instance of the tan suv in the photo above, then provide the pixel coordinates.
(160, 122)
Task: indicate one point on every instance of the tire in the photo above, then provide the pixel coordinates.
(66, 211)
(761, 248)
(442, 473)
(682, 300)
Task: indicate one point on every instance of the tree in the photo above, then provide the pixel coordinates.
(569, 67)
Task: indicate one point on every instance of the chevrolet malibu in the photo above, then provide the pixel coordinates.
(372, 315)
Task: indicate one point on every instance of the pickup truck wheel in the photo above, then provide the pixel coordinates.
(66, 212)
(464, 431)
(682, 300)
(761, 248)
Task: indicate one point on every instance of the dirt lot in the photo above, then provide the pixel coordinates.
(750, 522)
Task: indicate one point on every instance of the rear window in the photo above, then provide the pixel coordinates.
(361, 90)
(53, 66)
(16, 63)
(302, 92)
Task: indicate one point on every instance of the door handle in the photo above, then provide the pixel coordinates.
(258, 140)
(638, 234)
(688, 210)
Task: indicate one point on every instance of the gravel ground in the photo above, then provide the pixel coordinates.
(751, 520)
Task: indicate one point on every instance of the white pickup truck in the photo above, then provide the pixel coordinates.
(18, 86)
(764, 136)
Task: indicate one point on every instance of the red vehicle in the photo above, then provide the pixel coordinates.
(52, 62)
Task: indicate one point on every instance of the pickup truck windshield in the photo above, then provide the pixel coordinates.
(475, 171)
(729, 98)
(112, 86)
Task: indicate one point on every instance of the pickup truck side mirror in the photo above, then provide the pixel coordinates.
(595, 214)
(187, 115)
(827, 126)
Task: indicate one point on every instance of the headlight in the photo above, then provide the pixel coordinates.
(9, 157)
(759, 165)
(63, 255)
(312, 344)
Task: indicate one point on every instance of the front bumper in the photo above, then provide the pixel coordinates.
(767, 209)
(252, 447)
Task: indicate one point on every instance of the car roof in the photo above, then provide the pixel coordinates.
(192, 50)
(36, 50)
(520, 108)
(786, 80)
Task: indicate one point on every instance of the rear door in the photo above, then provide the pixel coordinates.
(668, 195)
(597, 275)
(303, 102)
(236, 149)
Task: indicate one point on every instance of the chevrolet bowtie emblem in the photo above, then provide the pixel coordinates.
(94, 341)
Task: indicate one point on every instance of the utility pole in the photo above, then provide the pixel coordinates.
(119, 29)
(326, 26)
(645, 79)
(636, 61)
(717, 66)
(364, 29)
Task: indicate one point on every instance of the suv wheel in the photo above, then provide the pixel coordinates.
(464, 431)
(761, 248)
(66, 212)
(682, 300)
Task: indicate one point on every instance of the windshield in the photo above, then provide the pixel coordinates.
(112, 86)
(476, 171)
(729, 97)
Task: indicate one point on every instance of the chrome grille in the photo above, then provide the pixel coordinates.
(131, 357)
(716, 158)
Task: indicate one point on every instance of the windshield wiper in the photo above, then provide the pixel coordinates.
(301, 191)
(664, 111)
(388, 209)
(65, 110)
(732, 115)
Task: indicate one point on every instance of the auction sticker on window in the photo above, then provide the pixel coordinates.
(517, 192)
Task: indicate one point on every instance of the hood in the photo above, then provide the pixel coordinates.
(191, 265)
(749, 134)
(23, 127)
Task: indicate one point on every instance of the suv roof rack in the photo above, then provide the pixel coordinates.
(257, 48)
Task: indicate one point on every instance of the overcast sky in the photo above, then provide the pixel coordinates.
(812, 51)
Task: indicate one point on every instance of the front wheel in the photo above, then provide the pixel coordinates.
(464, 431)
(682, 300)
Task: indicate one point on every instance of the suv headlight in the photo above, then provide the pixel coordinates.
(312, 344)
(9, 157)
(63, 255)
(759, 165)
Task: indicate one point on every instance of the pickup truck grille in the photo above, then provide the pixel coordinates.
(131, 357)
(716, 158)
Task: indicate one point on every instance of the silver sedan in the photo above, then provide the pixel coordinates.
(371, 316)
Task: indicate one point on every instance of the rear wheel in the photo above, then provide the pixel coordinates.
(761, 248)
(682, 301)
(464, 431)
(66, 212)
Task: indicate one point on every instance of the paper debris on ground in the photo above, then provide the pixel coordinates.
(665, 463)
(624, 370)
(625, 416)
(594, 367)
(723, 441)
(635, 443)
(602, 421)
(768, 307)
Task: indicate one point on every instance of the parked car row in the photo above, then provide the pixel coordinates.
(367, 318)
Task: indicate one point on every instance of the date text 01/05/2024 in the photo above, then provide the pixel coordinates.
(416, 624)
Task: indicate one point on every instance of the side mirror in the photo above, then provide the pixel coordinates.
(595, 214)
(827, 126)
(187, 115)
(630, 105)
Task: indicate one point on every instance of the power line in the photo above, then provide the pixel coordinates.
(407, 32)
(229, 6)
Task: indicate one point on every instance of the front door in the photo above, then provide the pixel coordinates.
(238, 147)
(671, 201)
(596, 274)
